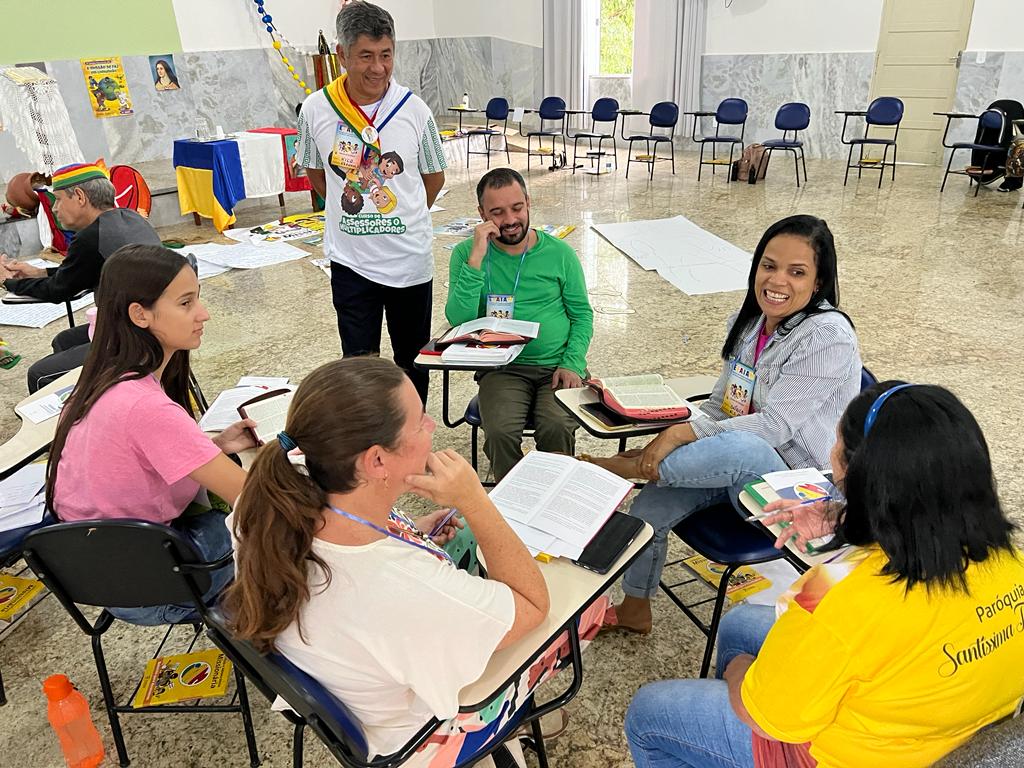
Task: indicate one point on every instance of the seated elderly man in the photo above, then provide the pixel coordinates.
(509, 270)
(84, 201)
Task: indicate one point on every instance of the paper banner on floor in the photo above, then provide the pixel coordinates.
(108, 87)
(38, 315)
(243, 256)
(694, 260)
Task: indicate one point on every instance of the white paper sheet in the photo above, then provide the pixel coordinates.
(38, 315)
(247, 256)
(21, 487)
(518, 113)
(47, 407)
(223, 412)
(694, 260)
(208, 268)
(462, 227)
(270, 382)
(19, 517)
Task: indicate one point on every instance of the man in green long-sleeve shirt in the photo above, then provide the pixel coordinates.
(509, 270)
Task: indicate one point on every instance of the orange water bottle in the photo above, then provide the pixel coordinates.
(68, 712)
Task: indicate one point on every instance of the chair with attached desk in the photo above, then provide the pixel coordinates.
(992, 137)
(731, 112)
(572, 590)
(606, 110)
(886, 112)
(11, 299)
(723, 536)
(793, 117)
(663, 116)
(85, 563)
(496, 112)
(551, 112)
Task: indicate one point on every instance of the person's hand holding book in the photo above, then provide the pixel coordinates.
(803, 522)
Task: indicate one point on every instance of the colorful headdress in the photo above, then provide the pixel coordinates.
(72, 175)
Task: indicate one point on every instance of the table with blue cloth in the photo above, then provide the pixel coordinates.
(210, 180)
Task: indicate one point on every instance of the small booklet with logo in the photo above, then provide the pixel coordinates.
(183, 677)
(743, 583)
(16, 593)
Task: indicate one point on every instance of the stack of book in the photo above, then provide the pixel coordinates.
(486, 341)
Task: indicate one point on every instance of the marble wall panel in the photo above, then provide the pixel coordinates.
(518, 72)
(235, 89)
(618, 87)
(824, 81)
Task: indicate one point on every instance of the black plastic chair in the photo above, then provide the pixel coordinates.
(992, 123)
(885, 111)
(552, 110)
(67, 304)
(731, 112)
(313, 706)
(496, 112)
(605, 110)
(721, 535)
(127, 564)
(664, 114)
(793, 117)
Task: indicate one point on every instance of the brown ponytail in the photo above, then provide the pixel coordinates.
(339, 411)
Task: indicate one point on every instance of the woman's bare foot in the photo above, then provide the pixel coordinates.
(622, 464)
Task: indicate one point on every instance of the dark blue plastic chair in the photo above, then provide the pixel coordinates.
(723, 536)
(313, 706)
(887, 112)
(791, 118)
(991, 122)
(472, 417)
(496, 112)
(605, 110)
(663, 115)
(550, 112)
(731, 112)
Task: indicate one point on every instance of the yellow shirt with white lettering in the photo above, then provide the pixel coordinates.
(872, 675)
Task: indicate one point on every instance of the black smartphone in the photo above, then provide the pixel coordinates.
(609, 543)
(605, 415)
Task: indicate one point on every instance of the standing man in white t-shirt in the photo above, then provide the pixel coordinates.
(372, 151)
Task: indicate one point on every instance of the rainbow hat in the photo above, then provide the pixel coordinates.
(72, 175)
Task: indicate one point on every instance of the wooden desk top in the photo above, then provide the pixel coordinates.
(32, 440)
(571, 589)
(688, 387)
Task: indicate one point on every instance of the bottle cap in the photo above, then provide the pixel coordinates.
(57, 687)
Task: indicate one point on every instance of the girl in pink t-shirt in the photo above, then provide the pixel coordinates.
(128, 445)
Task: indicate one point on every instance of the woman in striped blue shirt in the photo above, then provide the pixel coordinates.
(790, 367)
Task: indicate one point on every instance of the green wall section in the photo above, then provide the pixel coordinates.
(50, 30)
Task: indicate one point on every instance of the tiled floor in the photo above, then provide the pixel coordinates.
(934, 284)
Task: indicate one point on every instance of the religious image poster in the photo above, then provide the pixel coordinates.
(107, 86)
(164, 73)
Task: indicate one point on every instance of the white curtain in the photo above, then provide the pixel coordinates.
(564, 52)
(668, 43)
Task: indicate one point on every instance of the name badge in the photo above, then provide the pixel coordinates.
(739, 390)
(501, 305)
(347, 151)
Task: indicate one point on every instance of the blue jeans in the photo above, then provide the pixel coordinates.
(690, 723)
(209, 533)
(710, 471)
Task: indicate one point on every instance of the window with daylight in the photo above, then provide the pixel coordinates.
(617, 37)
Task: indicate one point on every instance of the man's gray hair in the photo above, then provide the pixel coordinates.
(99, 193)
(362, 18)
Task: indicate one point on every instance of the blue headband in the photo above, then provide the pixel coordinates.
(287, 444)
(869, 420)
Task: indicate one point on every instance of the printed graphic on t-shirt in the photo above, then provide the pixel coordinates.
(366, 174)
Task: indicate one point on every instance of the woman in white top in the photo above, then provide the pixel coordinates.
(354, 592)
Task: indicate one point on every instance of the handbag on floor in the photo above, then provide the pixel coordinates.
(749, 167)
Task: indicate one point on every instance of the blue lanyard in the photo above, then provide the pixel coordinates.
(434, 550)
(519, 271)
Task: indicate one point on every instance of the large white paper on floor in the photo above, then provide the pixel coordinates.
(262, 164)
(694, 260)
(38, 315)
(247, 256)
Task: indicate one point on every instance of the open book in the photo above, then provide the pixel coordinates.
(557, 504)
(641, 398)
(491, 330)
(269, 411)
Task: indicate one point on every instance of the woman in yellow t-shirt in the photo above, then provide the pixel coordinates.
(896, 655)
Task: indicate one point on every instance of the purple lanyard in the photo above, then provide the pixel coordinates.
(438, 552)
